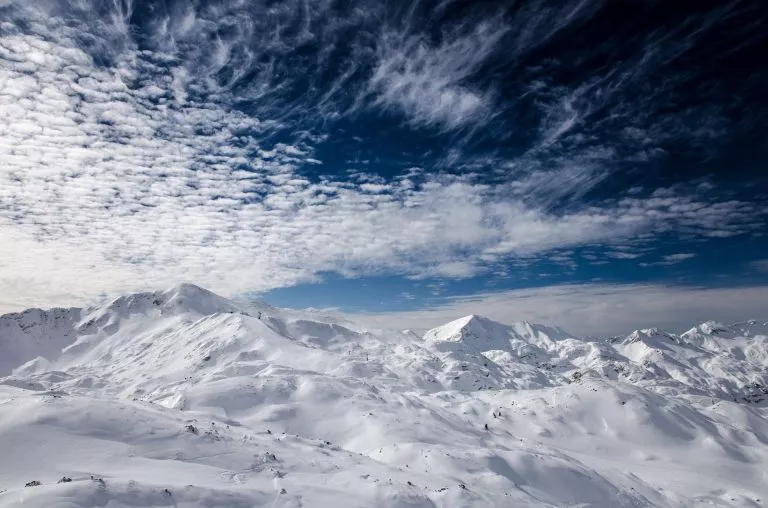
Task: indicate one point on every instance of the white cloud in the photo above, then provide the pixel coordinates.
(672, 259)
(676, 258)
(600, 310)
(623, 255)
(106, 188)
(427, 81)
(124, 169)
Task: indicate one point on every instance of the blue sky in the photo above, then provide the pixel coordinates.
(721, 265)
(382, 156)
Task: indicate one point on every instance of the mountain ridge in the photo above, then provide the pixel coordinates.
(471, 413)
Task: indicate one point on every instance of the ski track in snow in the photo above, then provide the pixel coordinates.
(183, 398)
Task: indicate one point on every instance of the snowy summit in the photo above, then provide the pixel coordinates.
(184, 398)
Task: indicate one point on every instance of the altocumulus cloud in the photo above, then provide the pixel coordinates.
(127, 163)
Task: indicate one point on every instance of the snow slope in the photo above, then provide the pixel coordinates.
(184, 398)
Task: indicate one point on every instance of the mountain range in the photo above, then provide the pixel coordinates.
(184, 398)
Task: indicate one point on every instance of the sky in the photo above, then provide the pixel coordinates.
(518, 159)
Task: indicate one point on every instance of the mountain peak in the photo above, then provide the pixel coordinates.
(711, 328)
(188, 287)
(194, 298)
(716, 330)
(481, 331)
(461, 328)
(650, 336)
(177, 299)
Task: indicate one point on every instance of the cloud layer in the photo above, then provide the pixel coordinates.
(140, 158)
(595, 309)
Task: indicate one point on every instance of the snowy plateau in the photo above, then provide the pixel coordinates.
(182, 398)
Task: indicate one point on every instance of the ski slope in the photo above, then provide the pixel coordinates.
(184, 398)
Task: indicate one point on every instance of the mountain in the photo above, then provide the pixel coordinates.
(35, 333)
(184, 398)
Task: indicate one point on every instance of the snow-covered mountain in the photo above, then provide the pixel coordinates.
(184, 398)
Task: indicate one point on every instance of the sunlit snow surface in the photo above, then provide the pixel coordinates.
(182, 398)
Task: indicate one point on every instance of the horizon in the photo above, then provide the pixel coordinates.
(425, 319)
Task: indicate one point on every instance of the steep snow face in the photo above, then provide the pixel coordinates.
(184, 398)
(477, 353)
(185, 298)
(35, 333)
(711, 329)
(710, 359)
(484, 334)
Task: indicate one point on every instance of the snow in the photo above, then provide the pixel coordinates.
(184, 398)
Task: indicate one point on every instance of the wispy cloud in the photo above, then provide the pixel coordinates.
(429, 82)
(623, 255)
(133, 159)
(671, 259)
(676, 258)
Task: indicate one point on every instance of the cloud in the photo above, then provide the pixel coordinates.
(109, 183)
(132, 159)
(623, 255)
(676, 258)
(761, 265)
(428, 82)
(597, 310)
(671, 259)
